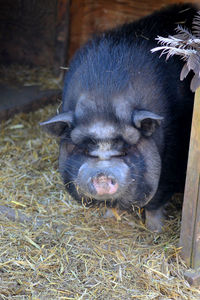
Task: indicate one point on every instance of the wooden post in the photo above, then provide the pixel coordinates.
(190, 228)
(61, 35)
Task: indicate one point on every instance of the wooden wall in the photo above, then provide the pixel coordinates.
(89, 16)
(34, 32)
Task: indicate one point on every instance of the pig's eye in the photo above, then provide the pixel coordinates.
(87, 153)
(90, 144)
(123, 153)
(87, 143)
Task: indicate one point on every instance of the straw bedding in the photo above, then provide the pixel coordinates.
(53, 248)
(24, 75)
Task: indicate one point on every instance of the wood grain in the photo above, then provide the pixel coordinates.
(89, 16)
(190, 229)
(61, 35)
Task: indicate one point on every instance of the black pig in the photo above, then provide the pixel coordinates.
(126, 118)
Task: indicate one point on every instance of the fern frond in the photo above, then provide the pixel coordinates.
(183, 33)
(170, 51)
(196, 25)
(170, 41)
(187, 46)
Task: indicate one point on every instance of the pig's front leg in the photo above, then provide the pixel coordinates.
(155, 219)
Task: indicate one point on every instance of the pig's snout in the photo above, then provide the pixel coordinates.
(103, 180)
(105, 185)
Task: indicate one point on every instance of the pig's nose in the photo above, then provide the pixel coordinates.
(104, 184)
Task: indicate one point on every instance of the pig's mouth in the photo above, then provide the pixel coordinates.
(101, 188)
(107, 189)
(112, 185)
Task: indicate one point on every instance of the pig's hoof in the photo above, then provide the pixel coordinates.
(154, 219)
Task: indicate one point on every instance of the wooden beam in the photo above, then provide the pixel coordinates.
(190, 228)
(61, 35)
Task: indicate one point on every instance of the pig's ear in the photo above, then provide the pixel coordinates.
(146, 121)
(58, 124)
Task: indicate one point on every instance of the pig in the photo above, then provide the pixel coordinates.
(125, 122)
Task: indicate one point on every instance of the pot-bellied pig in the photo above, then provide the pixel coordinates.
(126, 117)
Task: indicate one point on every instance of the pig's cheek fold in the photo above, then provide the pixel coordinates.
(70, 162)
(89, 186)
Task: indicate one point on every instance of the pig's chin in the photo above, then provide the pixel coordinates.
(125, 198)
(92, 194)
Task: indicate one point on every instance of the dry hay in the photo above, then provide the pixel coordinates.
(57, 249)
(24, 75)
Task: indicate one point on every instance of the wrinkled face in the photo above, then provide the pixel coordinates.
(110, 161)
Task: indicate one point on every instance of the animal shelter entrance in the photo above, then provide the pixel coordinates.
(38, 38)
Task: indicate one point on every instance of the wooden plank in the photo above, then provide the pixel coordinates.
(34, 32)
(24, 99)
(196, 246)
(193, 277)
(88, 17)
(61, 35)
(190, 228)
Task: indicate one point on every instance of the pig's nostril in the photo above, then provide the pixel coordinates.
(113, 181)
